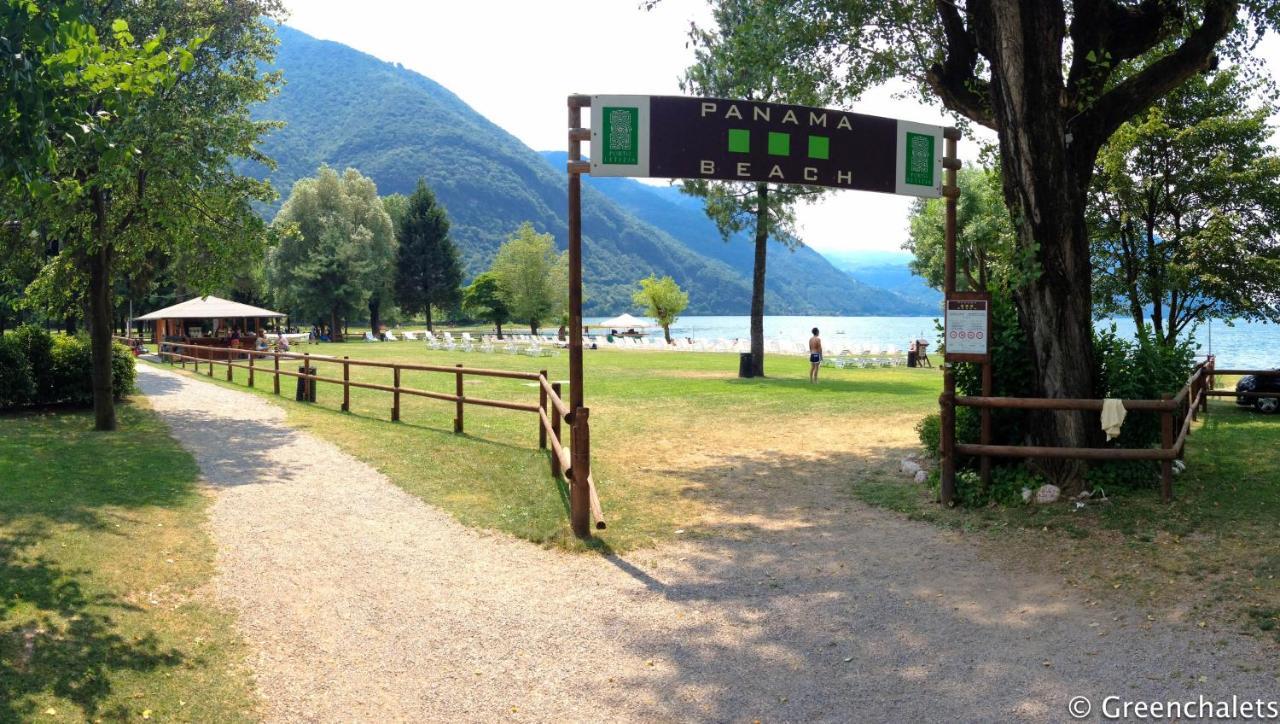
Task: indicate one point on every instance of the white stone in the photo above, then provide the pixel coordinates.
(1047, 494)
(921, 476)
(909, 466)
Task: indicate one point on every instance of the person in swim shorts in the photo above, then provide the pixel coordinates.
(815, 355)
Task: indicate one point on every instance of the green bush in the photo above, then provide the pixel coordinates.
(37, 347)
(17, 388)
(73, 371)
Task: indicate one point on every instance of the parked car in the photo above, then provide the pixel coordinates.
(1265, 383)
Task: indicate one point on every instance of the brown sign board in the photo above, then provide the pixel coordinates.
(735, 140)
(967, 327)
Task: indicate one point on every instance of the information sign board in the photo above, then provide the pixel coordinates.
(968, 327)
(728, 140)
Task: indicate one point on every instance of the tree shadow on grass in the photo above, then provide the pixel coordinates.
(58, 638)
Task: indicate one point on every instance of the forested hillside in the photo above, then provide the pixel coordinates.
(346, 108)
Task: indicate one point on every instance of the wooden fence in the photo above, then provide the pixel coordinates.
(551, 409)
(1177, 412)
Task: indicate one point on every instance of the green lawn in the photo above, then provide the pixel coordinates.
(102, 562)
(649, 413)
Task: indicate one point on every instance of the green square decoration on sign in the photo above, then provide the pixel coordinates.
(919, 166)
(621, 135)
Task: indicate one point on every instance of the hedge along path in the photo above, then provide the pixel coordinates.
(362, 602)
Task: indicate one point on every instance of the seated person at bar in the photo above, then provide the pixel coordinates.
(235, 338)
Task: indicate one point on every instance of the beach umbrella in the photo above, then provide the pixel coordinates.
(623, 322)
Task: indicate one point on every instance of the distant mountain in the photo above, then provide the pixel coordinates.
(802, 276)
(887, 270)
(346, 108)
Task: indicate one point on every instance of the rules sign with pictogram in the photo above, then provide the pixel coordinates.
(968, 327)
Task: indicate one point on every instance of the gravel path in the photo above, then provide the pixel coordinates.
(361, 602)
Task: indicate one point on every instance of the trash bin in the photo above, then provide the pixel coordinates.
(911, 358)
(306, 388)
(744, 364)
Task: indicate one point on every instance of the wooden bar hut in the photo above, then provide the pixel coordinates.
(213, 324)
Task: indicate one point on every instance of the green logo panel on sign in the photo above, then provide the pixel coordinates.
(919, 168)
(621, 136)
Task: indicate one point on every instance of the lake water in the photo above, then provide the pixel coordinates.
(1243, 344)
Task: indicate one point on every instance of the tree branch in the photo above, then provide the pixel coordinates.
(1195, 55)
(955, 80)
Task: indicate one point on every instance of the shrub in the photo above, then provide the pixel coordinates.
(17, 388)
(37, 347)
(73, 371)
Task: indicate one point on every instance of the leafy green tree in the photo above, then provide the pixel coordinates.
(1186, 210)
(1054, 79)
(663, 300)
(141, 108)
(337, 244)
(428, 272)
(984, 234)
(483, 298)
(532, 278)
(736, 60)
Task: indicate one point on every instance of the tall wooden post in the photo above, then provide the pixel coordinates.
(555, 431)
(275, 385)
(950, 190)
(395, 396)
(457, 420)
(252, 355)
(542, 405)
(346, 384)
(579, 497)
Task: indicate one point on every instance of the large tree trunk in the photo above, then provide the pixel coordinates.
(375, 316)
(757, 280)
(1045, 185)
(666, 332)
(499, 324)
(69, 325)
(429, 329)
(335, 332)
(104, 410)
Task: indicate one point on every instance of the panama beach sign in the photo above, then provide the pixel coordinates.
(734, 140)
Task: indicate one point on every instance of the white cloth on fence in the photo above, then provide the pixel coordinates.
(1113, 413)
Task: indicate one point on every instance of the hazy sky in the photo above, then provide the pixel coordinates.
(514, 61)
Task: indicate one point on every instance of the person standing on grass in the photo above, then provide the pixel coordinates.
(815, 355)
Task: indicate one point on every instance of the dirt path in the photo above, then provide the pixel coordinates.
(361, 602)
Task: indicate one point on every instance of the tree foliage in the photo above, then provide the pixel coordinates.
(1054, 79)
(483, 298)
(532, 278)
(337, 244)
(428, 272)
(984, 234)
(1186, 210)
(139, 109)
(740, 57)
(663, 300)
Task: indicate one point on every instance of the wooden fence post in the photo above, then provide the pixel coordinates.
(542, 405)
(1166, 443)
(947, 487)
(276, 384)
(984, 463)
(230, 355)
(346, 384)
(555, 431)
(252, 356)
(306, 381)
(457, 420)
(395, 396)
(579, 493)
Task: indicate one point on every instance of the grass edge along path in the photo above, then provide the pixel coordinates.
(106, 613)
(1210, 556)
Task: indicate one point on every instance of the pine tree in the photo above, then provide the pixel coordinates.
(428, 272)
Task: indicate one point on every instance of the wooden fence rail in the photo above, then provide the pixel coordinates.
(550, 408)
(1176, 415)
